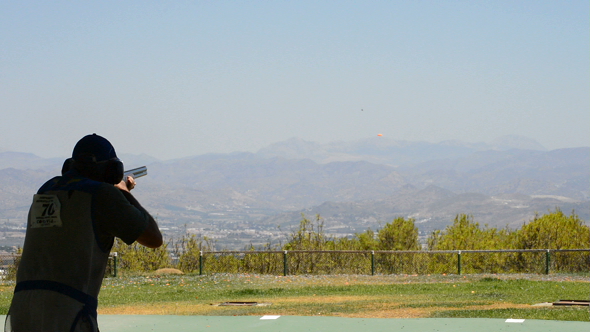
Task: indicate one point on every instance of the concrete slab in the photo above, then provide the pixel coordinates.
(167, 323)
(122, 323)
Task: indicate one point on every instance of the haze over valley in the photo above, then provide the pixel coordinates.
(244, 198)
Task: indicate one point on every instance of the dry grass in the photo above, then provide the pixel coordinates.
(167, 271)
(365, 307)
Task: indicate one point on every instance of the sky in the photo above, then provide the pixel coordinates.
(172, 79)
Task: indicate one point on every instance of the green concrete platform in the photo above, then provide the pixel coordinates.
(167, 323)
(137, 323)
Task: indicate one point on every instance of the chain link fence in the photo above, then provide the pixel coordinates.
(300, 262)
(316, 262)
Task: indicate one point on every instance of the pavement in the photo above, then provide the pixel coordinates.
(136, 323)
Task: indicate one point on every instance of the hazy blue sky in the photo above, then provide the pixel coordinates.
(180, 78)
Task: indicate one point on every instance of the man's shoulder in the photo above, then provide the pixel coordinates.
(77, 183)
(107, 192)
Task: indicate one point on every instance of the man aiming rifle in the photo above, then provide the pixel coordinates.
(71, 227)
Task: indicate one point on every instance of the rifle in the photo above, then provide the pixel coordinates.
(135, 172)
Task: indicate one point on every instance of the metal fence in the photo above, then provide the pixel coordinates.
(298, 262)
(317, 262)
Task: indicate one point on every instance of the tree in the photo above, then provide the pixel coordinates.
(309, 236)
(466, 234)
(554, 231)
(366, 240)
(188, 250)
(401, 234)
(463, 234)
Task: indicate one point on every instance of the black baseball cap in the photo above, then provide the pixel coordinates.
(93, 148)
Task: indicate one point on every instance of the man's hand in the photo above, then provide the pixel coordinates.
(126, 184)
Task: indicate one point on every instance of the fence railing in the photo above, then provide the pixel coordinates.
(368, 262)
(297, 262)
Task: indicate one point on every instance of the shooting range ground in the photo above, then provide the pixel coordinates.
(123, 323)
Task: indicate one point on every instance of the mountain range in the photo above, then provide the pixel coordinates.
(244, 197)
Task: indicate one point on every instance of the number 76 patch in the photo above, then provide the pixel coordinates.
(45, 211)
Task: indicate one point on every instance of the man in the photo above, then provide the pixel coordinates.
(72, 223)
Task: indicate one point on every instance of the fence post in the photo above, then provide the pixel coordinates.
(201, 263)
(459, 262)
(115, 264)
(285, 264)
(372, 262)
(547, 261)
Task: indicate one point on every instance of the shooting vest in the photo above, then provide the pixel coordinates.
(63, 262)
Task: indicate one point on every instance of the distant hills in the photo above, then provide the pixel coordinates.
(20, 160)
(382, 150)
(352, 185)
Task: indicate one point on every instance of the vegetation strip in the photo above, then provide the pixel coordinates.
(550, 243)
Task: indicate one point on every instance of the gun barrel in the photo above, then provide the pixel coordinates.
(136, 172)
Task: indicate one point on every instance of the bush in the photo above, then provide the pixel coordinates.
(138, 258)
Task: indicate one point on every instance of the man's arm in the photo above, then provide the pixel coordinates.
(151, 236)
